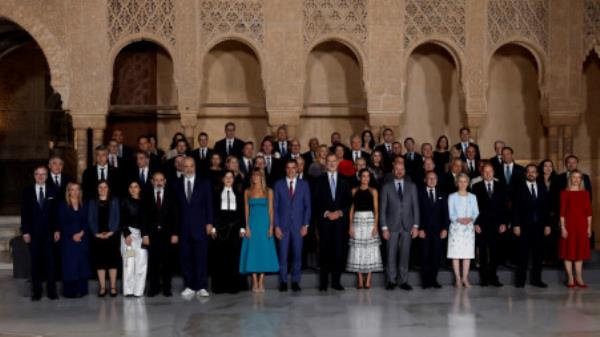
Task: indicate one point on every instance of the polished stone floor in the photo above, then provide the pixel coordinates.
(488, 312)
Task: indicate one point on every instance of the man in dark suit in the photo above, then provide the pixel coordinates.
(124, 152)
(282, 144)
(142, 172)
(465, 141)
(571, 163)
(332, 206)
(336, 139)
(312, 153)
(496, 160)
(100, 171)
(194, 197)
(456, 168)
(412, 160)
(511, 174)
(531, 224)
(386, 148)
(57, 178)
(202, 154)
(433, 206)
(121, 164)
(274, 166)
(181, 149)
(40, 230)
(155, 161)
(247, 160)
(490, 224)
(160, 219)
(230, 145)
(472, 162)
(356, 151)
(294, 150)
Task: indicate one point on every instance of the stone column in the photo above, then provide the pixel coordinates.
(97, 137)
(81, 141)
(553, 153)
(567, 141)
(189, 120)
(81, 123)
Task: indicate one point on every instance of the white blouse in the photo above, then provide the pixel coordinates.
(228, 204)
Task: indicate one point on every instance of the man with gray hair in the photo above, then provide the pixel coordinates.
(399, 219)
(57, 178)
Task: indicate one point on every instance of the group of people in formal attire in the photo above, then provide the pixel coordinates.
(242, 209)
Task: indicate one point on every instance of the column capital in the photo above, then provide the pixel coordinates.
(91, 121)
(561, 118)
(384, 118)
(283, 115)
(189, 118)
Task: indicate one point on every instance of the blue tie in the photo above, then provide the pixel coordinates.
(332, 186)
(400, 194)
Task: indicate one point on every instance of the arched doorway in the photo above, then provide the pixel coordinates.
(144, 96)
(232, 90)
(334, 94)
(514, 104)
(432, 94)
(33, 125)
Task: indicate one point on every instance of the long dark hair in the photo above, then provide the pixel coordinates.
(540, 168)
(176, 138)
(437, 144)
(371, 142)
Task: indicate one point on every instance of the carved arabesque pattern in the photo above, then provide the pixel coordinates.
(346, 17)
(525, 18)
(127, 17)
(439, 17)
(226, 16)
(591, 33)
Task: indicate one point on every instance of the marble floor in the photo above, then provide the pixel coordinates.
(489, 312)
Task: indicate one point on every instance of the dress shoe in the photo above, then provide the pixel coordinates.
(52, 296)
(101, 292)
(484, 283)
(322, 288)
(167, 293)
(520, 285)
(390, 286)
(581, 285)
(152, 292)
(283, 287)
(113, 292)
(497, 284)
(436, 285)
(405, 286)
(571, 285)
(36, 297)
(296, 287)
(539, 284)
(338, 287)
(202, 293)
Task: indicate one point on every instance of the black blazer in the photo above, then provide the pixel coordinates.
(62, 189)
(89, 182)
(277, 149)
(475, 172)
(517, 177)
(36, 220)
(363, 154)
(134, 175)
(496, 164)
(202, 165)
(324, 202)
(463, 155)
(160, 220)
(493, 211)
(449, 183)
(276, 171)
(434, 216)
(308, 159)
(221, 148)
(528, 211)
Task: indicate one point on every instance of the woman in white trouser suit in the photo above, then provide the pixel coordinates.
(133, 243)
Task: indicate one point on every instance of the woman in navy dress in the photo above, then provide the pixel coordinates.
(258, 247)
(74, 243)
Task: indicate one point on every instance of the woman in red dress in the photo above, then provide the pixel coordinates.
(576, 228)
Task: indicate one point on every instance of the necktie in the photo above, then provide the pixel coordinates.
(142, 176)
(291, 188)
(489, 190)
(471, 166)
(56, 181)
(188, 192)
(269, 164)
(228, 201)
(228, 147)
(533, 194)
(41, 196)
(332, 186)
(102, 176)
(389, 149)
(507, 174)
(431, 196)
(355, 155)
(111, 161)
(412, 156)
(283, 149)
(158, 200)
(400, 194)
(120, 150)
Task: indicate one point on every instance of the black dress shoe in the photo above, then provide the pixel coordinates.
(539, 284)
(101, 292)
(405, 286)
(296, 287)
(152, 292)
(338, 287)
(323, 288)
(113, 292)
(484, 283)
(53, 296)
(520, 285)
(497, 284)
(283, 287)
(426, 286)
(167, 293)
(436, 285)
(36, 297)
(390, 286)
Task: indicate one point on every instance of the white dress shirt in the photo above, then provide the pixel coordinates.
(225, 206)
(99, 170)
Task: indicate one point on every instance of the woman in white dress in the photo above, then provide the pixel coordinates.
(463, 210)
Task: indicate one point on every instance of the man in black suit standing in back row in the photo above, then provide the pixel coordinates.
(230, 145)
(99, 172)
(57, 178)
(465, 141)
(202, 154)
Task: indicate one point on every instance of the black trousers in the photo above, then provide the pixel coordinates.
(161, 258)
(331, 250)
(487, 242)
(531, 246)
(431, 250)
(41, 250)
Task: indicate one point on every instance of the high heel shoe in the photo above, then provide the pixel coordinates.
(113, 292)
(581, 285)
(360, 286)
(571, 285)
(102, 292)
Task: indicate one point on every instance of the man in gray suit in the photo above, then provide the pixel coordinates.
(399, 219)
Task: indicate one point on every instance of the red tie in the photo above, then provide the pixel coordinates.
(291, 188)
(158, 200)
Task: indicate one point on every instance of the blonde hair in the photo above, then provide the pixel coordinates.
(571, 175)
(263, 179)
(68, 199)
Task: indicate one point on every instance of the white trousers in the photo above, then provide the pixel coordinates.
(135, 264)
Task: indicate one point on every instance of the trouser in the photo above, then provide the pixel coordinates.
(331, 249)
(42, 264)
(531, 245)
(488, 255)
(135, 264)
(294, 238)
(398, 257)
(430, 258)
(193, 255)
(161, 257)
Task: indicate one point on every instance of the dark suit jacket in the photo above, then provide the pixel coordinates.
(39, 221)
(202, 165)
(528, 211)
(387, 158)
(517, 177)
(475, 172)
(449, 184)
(276, 172)
(89, 182)
(308, 159)
(363, 154)
(165, 217)
(60, 190)
(291, 212)
(493, 211)
(134, 175)
(496, 163)
(414, 165)
(434, 216)
(324, 202)
(279, 150)
(463, 155)
(238, 146)
(194, 216)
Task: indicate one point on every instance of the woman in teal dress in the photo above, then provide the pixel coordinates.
(258, 246)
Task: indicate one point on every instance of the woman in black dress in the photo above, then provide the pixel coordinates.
(225, 251)
(547, 176)
(441, 155)
(215, 171)
(104, 219)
